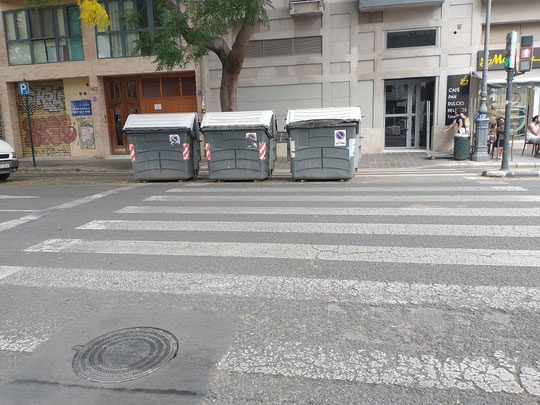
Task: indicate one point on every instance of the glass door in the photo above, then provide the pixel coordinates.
(398, 114)
(405, 112)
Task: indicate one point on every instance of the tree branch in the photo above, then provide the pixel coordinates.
(220, 47)
(239, 48)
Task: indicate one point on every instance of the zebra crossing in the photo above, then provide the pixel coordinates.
(341, 228)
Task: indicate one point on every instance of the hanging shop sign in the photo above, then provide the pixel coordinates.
(496, 59)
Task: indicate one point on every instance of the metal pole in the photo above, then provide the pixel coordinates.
(482, 121)
(30, 129)
(507, 117)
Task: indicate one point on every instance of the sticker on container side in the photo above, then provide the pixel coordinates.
(293, 148)
(352, 146)
(251, 135)
(174, 139)
(340, 137)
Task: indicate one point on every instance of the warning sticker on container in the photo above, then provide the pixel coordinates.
(340, 137)
(251, 135)
(292, 148)
(174, 139)
(352, 146)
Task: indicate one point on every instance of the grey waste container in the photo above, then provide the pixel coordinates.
(462, 145)
(324, 143)
(163, 146)
(240, 145)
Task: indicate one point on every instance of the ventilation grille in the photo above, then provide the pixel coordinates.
(285, 46)
(370, 18)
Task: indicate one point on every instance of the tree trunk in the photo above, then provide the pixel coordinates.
(229, 89)
(232, 62)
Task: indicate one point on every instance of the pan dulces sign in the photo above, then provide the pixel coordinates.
(457, 96)
(496, 59)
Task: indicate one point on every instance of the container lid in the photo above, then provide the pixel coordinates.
(335, 114)
(238, 119)
(160, 122)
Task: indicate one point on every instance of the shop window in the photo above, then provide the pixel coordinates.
(171, 86)
(413, 38)
(119, 40)
(43, 35)
(189, 88)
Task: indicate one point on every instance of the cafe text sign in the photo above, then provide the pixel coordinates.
(496, 59)
(457, 96)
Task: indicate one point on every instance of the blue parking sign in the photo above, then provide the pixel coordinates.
(24, 88)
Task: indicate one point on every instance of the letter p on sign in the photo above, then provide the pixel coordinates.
(24, 88)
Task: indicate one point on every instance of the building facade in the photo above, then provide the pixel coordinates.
(83, 82)
(406, 63)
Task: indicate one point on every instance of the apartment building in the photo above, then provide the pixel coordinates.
(406, 63)
(83, 82)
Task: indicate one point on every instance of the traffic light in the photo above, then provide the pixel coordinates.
(510, 51)
(524, 63)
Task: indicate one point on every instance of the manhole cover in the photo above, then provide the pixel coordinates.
(124, 354)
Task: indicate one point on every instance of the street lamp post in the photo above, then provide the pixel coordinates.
(482, 121)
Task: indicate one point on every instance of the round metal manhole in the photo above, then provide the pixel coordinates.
(124, 354)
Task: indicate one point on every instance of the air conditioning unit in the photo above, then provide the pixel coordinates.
(306, 7)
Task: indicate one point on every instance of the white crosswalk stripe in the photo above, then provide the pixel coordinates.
(290, 288)
(288, 353)
(380, 254)
(296, 359)
(318, 228)
(349, 198)
(328, 211)
(351, 189)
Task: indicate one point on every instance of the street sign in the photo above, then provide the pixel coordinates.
(24, 88)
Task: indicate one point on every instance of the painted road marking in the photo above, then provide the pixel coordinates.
(17, 197)
(71, 204)
(19, 210)
(318, 228)
(352, 189)
(348, 198)
(328, 211)
(289, 288)
(378, 254)
(328, 362)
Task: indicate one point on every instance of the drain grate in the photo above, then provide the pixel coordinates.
(124, 354)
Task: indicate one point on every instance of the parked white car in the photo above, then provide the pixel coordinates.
(8, 160)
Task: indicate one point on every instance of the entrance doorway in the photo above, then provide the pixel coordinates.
(405, 120)
(162, 93)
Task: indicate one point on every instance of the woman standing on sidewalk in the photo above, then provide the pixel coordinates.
(498, 136)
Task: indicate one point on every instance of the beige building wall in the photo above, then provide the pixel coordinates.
(355, 62)
(91, 70)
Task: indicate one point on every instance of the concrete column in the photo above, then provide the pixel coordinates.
(99, 116)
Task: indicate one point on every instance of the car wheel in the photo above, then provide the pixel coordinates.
(4, 176)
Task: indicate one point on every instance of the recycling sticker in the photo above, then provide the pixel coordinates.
(340, 137)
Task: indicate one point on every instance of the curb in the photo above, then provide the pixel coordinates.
(511, 173)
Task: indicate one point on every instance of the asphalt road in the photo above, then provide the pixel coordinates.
(417, 287)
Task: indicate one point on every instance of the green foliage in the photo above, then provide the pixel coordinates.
(196, 23)
(187, 26)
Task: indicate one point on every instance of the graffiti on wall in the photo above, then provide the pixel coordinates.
(52, 131)
(86, 133)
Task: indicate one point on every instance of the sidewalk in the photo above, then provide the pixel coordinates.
(390, 160)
